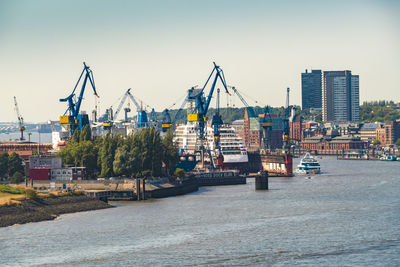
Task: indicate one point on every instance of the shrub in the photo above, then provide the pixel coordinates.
(146, 173)
(17, 178)
(180, 173)
(31, 194)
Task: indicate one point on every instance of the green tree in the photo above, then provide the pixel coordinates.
(107, 153)
(83, 154)
(86, 156)
(17, 178)
(170, 151)
(86, 134)
(3, 164)
(398, 142)
(121, 162)
(76, 136)
(15, 164)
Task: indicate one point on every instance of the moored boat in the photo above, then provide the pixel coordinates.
(231, 145)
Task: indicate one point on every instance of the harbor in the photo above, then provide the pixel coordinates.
(347, 215)
(199, 133)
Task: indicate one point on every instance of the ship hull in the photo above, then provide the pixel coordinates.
(277, 164)
(219, 178)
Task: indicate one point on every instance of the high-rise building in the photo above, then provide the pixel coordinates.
(311, 89)
(355, 98)
(340, 96)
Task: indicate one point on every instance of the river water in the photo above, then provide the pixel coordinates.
(43, 138)
(347, 216)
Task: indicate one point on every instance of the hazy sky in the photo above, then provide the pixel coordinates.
(162, 48)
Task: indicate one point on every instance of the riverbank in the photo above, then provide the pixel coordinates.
(48, 208)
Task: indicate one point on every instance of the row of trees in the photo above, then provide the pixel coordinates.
(378, 111)
(369, 112)
(11, 166)
(139, 154)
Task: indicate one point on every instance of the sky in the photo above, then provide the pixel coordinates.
(161, 48)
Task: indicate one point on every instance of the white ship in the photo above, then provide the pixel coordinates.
(232, 147)
(308, 165)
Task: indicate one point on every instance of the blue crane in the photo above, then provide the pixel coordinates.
(202, 103)
(167, 122)
(75, 120)
(199, 107)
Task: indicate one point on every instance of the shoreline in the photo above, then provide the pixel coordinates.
(49, 208)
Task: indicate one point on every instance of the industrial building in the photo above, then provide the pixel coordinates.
(50, 168)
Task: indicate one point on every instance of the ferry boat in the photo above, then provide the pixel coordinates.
(231, 145)
(388, 158)
(308, 165)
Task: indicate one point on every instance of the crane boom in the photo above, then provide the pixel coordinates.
(121, 103)
(202, 103)
(74, 107)
(250, 110)
(139, 108)
(21, 125)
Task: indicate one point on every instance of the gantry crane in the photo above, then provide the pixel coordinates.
(21, 126)
(216, 123)
(74, 120)
(167, 122)
(266, 125)
(142, 120)
(199, 104)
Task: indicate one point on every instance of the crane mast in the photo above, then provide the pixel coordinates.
(74, 120)
(21, 126)
(199, 105)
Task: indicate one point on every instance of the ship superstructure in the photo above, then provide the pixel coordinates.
(231, 145)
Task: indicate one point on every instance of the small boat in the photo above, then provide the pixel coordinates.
(308, 165)
(388, 158)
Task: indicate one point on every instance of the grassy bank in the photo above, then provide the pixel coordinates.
(11, 195)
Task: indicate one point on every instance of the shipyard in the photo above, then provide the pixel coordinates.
(199, 133)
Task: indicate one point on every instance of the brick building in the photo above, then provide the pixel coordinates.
(333, 144)
(387, 134)
(252, 131)
(368, 131)
(24, 149)
(296, 127)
